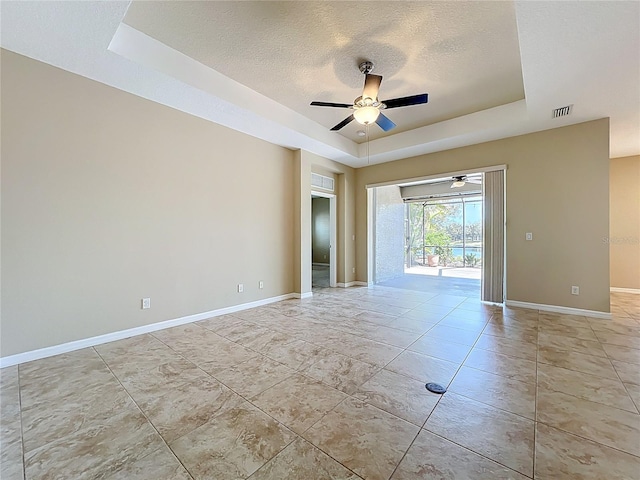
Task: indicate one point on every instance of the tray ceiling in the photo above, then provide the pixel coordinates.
(464, 54)
(492, 69)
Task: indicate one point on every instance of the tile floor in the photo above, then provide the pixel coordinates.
(332, 387)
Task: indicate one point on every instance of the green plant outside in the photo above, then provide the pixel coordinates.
(470, 259)
(438, 239)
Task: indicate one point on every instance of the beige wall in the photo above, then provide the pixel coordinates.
(557, 188)
(624, 234)
(108, 198)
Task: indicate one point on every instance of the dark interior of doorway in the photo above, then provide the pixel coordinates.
(320, 242)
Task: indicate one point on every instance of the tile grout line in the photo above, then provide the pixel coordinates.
(226, 386)
(300, 372)
(476, 453)
(490, 373)
(615, 369)
(295, 435)
(437, 403)
(615, 407)
(534, 426)
(143, 414)
(493, 406)
(217, 380)
(573, 433)
(318, 421)
(587, 439)
(351, 395)
(408, 448)
(313, 445)
(535, 403)
(405, 349)
(24, 462)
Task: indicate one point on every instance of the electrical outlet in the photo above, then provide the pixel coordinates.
(146, 303)
(260, 284)
(528, 236)
(575, 290)
(354, 269)
(240, 288)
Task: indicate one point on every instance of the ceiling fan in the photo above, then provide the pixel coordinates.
(367, 106)
(460, 181)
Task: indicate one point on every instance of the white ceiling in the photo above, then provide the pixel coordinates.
(492, 69)
(466, 56)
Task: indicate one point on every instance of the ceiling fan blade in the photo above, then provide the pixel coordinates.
(384, 122)
(346, 121)
(330, 104)
(371, 86)
(407, 101)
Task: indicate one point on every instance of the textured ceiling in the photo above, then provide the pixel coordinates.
(583, 53)
(464, 54)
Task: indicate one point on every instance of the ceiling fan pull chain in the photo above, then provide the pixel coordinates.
(367, 128)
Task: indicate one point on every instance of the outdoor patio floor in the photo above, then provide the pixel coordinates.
(467, 287)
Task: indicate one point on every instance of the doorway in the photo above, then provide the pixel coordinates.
(442, 235)
(323, 240)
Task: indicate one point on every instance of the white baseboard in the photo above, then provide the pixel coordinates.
(302, 295)
(558, 309)
(635, 291)
(491, 304)
(131, 332)
(352, 284)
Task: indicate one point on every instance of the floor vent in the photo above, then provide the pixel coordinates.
(562, 111)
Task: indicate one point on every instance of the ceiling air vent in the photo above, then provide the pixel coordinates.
(321, 181)
(562, 111)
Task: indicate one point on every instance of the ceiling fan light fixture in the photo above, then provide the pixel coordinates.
(458, 182)
(366, 115)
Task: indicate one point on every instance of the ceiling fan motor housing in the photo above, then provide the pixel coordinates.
(368, 102)
(366, 67)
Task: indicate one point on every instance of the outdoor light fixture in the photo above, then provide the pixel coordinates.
(459, 182)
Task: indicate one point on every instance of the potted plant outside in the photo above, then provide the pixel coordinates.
(438, 240)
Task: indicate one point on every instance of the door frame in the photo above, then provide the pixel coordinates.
(332, 235)
(371, 214)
